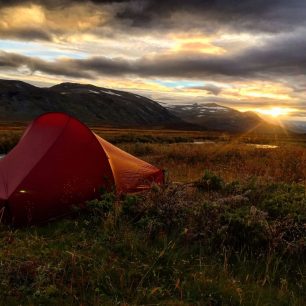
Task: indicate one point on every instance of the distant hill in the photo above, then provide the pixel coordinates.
(212, 116)
(20, 101)
(295, 126)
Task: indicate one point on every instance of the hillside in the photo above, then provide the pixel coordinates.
(20, 101)
(211, 116)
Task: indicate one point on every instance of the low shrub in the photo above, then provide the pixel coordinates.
(210, 182)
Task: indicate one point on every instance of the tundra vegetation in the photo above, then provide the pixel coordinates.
(228, 228)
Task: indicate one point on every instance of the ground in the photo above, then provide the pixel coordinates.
(228, 228)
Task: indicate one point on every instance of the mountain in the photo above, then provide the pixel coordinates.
(20, 101)
(212, 116)
(295, 126)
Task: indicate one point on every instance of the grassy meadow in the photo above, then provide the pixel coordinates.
(228, 228)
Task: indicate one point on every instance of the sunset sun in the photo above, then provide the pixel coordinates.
(275, 112)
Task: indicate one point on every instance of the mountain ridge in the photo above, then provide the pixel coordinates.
(213, 116)
(20, 101)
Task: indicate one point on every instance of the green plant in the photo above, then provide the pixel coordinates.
(210, 182)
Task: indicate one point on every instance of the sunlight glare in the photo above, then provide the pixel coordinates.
(275, 111)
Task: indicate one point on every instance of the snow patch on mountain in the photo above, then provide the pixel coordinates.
(110, 93)
(94, 91)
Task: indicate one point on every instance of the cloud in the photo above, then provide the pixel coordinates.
(26, 34)
(280, 56)
(210, 88)
(133, 16)
(56, 3)
(63, 67)
(251, 15)
(38, 21)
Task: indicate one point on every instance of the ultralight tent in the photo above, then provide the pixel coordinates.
(58, 163)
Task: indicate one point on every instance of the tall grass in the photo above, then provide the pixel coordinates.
(233, 161)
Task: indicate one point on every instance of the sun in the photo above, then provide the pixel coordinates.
(275, 112)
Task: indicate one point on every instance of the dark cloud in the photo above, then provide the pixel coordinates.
(26, 34)
(206, 15)
(253, 15)
(60, 67)
(210, 88)
(279, 57)
(56, 3)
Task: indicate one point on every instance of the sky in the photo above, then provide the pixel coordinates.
(249, 55)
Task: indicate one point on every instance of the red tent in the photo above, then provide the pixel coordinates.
(59, 163)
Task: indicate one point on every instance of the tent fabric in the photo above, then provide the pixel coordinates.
(130, 173)
(59, 163)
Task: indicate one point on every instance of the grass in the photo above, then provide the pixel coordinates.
(229, 228)
(232, 161)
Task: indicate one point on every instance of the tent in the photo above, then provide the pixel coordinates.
(59, 163)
